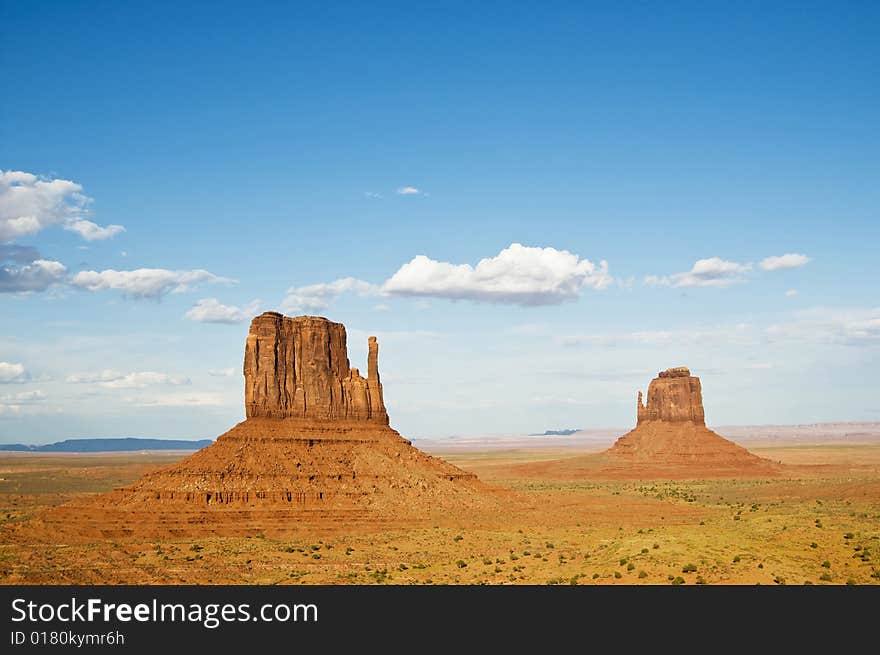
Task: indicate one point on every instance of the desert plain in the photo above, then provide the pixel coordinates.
(556, 521)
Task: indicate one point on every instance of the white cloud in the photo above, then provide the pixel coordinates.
(13, 373)
(520, 275)
(372, 194)
(315, 297)
(210, 310)
(781, 262)
(110, 379)
(30, 204)
(144, 282)
(92, 231)
(408, 191)
(712, 272)
(38, 275)
(221, 372)
(381, 307)
(791, 293)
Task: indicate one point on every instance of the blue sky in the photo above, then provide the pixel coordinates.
(247, 152)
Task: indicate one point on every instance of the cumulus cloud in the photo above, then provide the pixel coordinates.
(520, 275)
(144, 282)
(30, 204)
(781, 262)
(110, 379)
(13, 373)
(712, 272)
(92, 231)
(408, 191)
(211, 310)
(315, 297)
(35, 276)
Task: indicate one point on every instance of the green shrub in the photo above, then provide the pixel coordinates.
(736, 558)
(457, 537)
(644, 550)
(826, 564)
(617, 575)
(689, 568)
(700, 580)
(642, 575)
(825, 577)
(678, 580)
(814, 545)
(630, 566)
(461, 564)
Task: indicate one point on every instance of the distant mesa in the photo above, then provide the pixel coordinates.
(124, 444)
(556, 433)
(315, 446)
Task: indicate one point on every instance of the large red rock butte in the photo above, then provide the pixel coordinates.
(671, 436)
(316, 445)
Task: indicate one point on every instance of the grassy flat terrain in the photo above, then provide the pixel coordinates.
(818, 524)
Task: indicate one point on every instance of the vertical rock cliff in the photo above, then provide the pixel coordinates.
(299, 368)
(674, 396)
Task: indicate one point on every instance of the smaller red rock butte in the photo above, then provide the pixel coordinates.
(675, 396)
(671, 438)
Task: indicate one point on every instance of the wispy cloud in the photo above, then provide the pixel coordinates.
(30, 204)
(145, 282)
(211, 310)
(221, 372)
(197, 399)
(315, 297)
(848, 327)
(26, 402)
(519, 275)
(409, 191)
(791, 293)
(711, 272)
(110, 379)
(374, 195)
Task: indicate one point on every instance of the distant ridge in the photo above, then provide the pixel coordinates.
(108, 445)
